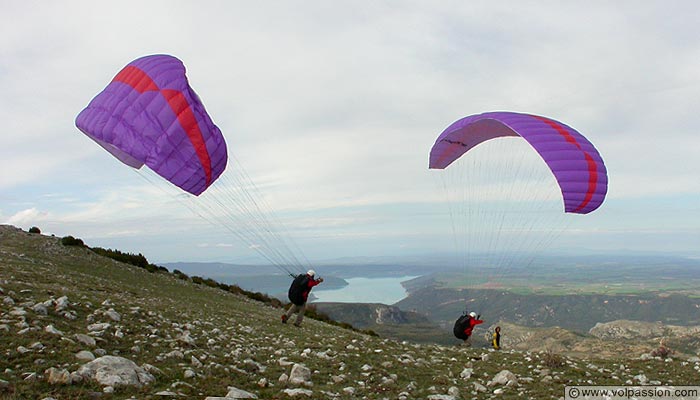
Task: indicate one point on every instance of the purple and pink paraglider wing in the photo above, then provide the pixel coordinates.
(148, 114)
(575, 163)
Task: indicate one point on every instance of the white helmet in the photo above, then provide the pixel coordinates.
(472, 314)
(311, 272)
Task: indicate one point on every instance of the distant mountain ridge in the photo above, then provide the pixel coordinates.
(62, 306)
(573, 312)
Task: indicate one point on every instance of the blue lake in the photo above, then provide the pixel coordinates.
(365, 290)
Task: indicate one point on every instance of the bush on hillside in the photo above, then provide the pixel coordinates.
(552, 359)
(662, 351)
(137, 260)
(178, 274)
(71, 241)
(34, 229)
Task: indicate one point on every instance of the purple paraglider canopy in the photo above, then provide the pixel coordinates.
(148, 114)
(575, 163)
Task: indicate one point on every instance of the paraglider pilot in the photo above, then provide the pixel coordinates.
(465, 325)
(298, 294)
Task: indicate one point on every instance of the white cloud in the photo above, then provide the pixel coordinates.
(333, 109)
(27, 217)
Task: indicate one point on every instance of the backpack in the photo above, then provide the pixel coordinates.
(460, 325)
(297, 289)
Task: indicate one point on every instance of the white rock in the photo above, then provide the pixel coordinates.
(641, 378)
(283, 378)
(22, 350)
(498, 391)
(84, 355)
(235, 393)
(283, 362)
(175, 354)
(50, 329)
(466, 373)
(186, 339)
(298, 392)
(99, 326)
(189, 374)
(18, 312)
(299, 375)
(195, 362)
(85, 339)
(479, 387)
(40, 309)
(349, 390)
(75, 378)
(113, 315)
(115, 371)
(69, 315)
(31, 377)
(62, 303)
(441, 397)
(503, 378)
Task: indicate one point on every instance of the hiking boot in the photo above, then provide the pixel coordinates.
(284, 318)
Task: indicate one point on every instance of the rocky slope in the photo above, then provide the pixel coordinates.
(77, 325)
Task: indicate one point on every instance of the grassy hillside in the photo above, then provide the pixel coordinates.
(200, 340)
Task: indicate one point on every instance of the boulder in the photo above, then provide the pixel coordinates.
(115, 371)
(504, 377)
(300, 375)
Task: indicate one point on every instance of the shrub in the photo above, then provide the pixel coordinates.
(34, 229)
(662, 351)
(137, 260)
(552, 359)
(71, 241)
(180, 275)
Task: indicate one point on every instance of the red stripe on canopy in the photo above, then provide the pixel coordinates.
(592, 167)
(185, 116)
(136, 78)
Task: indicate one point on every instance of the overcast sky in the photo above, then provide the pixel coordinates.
(332, 108)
